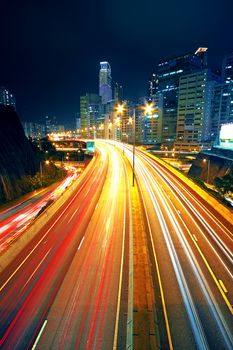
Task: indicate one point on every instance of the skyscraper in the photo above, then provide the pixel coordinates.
(227, 68)
(89, 113)
(105, 82)
(152, 86)
(152, 123)
(6, 97)
(222, 108)
(118, 93)
(194, 109)
(51, 124)
(166, 82)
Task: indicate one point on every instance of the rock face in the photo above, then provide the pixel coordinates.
(209, 165)
(16, 155)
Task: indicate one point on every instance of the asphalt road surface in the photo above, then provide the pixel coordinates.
(63, 291)
(192, 254)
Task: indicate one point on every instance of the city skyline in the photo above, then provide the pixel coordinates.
(54, 52)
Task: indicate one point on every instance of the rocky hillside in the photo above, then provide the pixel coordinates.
(211, 164)
(16, 155)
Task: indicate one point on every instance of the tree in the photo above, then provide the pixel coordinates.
(224, 184)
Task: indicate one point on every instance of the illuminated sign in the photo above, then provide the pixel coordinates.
(90, 146)
(226, 136)
(201, 49)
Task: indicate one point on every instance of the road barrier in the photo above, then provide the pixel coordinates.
(221, 209)
(9, 255)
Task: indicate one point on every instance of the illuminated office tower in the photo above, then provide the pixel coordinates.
(152, 86)
(6, 97)
(166, 80)
(105, 82)
(118, 93)
(194, 110)
(89, 113)
(227, 68)
(222, 108)
(152, 123)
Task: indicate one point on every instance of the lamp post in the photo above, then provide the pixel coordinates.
(41, 171)
(120, 108)
(41, 174)
(148, 109)
(208, 169)
(134, 139)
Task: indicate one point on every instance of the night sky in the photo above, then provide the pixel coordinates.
(50, 50)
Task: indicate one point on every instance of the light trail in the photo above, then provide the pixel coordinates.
(185, 292)
(45, 272)
(169, 207)
(15, 220)
(227, 252)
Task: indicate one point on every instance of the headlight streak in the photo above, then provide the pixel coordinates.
(195, 322)
(200, 252)
(212, 233)
(197, 270)
(165, 175)
(204, 286)
(46, 233)
(16, 226)
(116, 175)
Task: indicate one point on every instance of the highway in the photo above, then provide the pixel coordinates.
(15, 220)
(65, 289)
(191, 253)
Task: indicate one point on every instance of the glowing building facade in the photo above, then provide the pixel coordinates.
(6, 97)
(105, 82)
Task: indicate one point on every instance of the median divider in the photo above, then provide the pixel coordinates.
(142, 330)
(20, 243)
(221, 209)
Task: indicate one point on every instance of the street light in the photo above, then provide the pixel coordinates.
(120, 108)
(208, 169)
(41, 171)
(134, 141)
(148, 109)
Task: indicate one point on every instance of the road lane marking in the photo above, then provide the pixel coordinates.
(120, 279)
(39, 335)
(230, 307)
(108, 223)
(194, 236)
(169, 172)
(46, 233)
(129, 331)
(223, 286)
(160, 282)
(73, 215)
(210, 270)
(81, 243)
(36, 268)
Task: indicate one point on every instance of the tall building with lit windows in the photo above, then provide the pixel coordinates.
(227, 68)
(118, 93)
(166, 80)
(105, 82)
(152, 86)
(6, 97)
(89, 113)
(196, 92)
(222, 108)
(152, 123)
